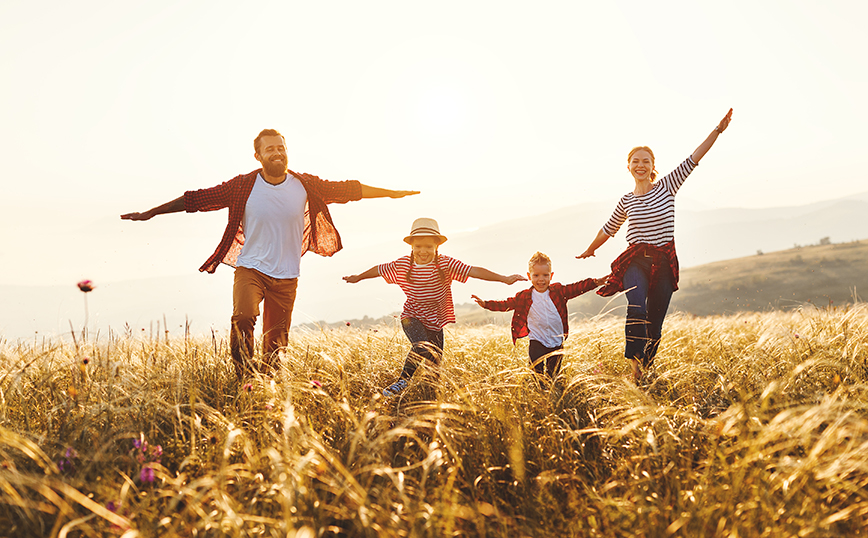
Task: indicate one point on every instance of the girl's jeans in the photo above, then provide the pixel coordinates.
(646, 308)
(427, 344)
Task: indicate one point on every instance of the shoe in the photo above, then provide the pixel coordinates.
(395, 388)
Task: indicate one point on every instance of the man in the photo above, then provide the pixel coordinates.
(275, 216)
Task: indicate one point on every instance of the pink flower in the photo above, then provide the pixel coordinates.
(348, 324)
(147, 474)
(248, 387)
(86, 285)
(316, 383)
(85, 360)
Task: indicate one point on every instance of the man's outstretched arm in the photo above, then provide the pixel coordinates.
(175, 206)
(376, 192)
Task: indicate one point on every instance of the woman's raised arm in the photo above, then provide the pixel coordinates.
(706, 145)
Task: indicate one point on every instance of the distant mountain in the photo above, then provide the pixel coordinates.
(702, 237)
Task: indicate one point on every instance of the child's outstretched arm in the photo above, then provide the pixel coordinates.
(484, 274)
(373, 272)
(496, 306)
(583, 286)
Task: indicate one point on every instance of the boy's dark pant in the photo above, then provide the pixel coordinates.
(550, 366)
(427, 344)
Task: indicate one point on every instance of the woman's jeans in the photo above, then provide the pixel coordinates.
(427, 344)
(646, 307)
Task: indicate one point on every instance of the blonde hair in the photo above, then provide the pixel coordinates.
(539, 259)
(651, 153)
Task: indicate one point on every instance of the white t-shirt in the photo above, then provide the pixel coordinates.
(543, 321)
(273, 226)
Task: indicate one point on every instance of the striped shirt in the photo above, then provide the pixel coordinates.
(651, 215)
(429, 299)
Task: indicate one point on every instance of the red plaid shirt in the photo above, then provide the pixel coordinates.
(558, 293)
(320, 234)
(664, 257)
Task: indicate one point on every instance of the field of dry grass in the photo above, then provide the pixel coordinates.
(751, 425)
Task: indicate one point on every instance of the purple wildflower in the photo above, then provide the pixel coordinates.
(147, 474)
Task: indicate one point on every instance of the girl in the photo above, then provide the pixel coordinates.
(425, 277)
(648, 269)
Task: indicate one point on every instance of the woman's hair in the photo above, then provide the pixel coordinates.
(651, 153)
(539, 259)
(409, 277)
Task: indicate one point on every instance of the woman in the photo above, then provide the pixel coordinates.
(648, 269)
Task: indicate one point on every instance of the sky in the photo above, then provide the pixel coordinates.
(493, 110)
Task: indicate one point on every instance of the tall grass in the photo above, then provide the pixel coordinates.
(749, 425)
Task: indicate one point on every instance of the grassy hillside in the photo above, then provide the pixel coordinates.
(823, 275)
(751, 425)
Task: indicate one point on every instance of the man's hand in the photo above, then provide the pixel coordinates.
(401, 194)
(479, 301)
(147, 215)
(601, 281)
(174, 206)
(377, 192)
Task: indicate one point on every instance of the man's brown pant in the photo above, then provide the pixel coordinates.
(250, 288)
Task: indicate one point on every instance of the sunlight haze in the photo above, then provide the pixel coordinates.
(493, 110)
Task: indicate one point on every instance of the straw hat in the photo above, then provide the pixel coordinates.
(425, 228)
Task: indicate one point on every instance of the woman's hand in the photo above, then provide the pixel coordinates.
(724, 123)
(352, 279)
(598, 241)
(708, 142)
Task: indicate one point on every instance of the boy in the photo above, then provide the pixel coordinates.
(541, 313)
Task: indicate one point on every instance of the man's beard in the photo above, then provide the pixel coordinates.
(275, 168)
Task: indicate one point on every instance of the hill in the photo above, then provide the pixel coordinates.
(823, 275)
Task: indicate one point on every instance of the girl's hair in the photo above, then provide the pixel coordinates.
(539, 259)
(651, 153)
(409, 277)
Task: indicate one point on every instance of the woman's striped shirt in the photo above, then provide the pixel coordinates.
(651, 215)
(429, 298)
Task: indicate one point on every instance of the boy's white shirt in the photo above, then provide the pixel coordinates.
(543, 321)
